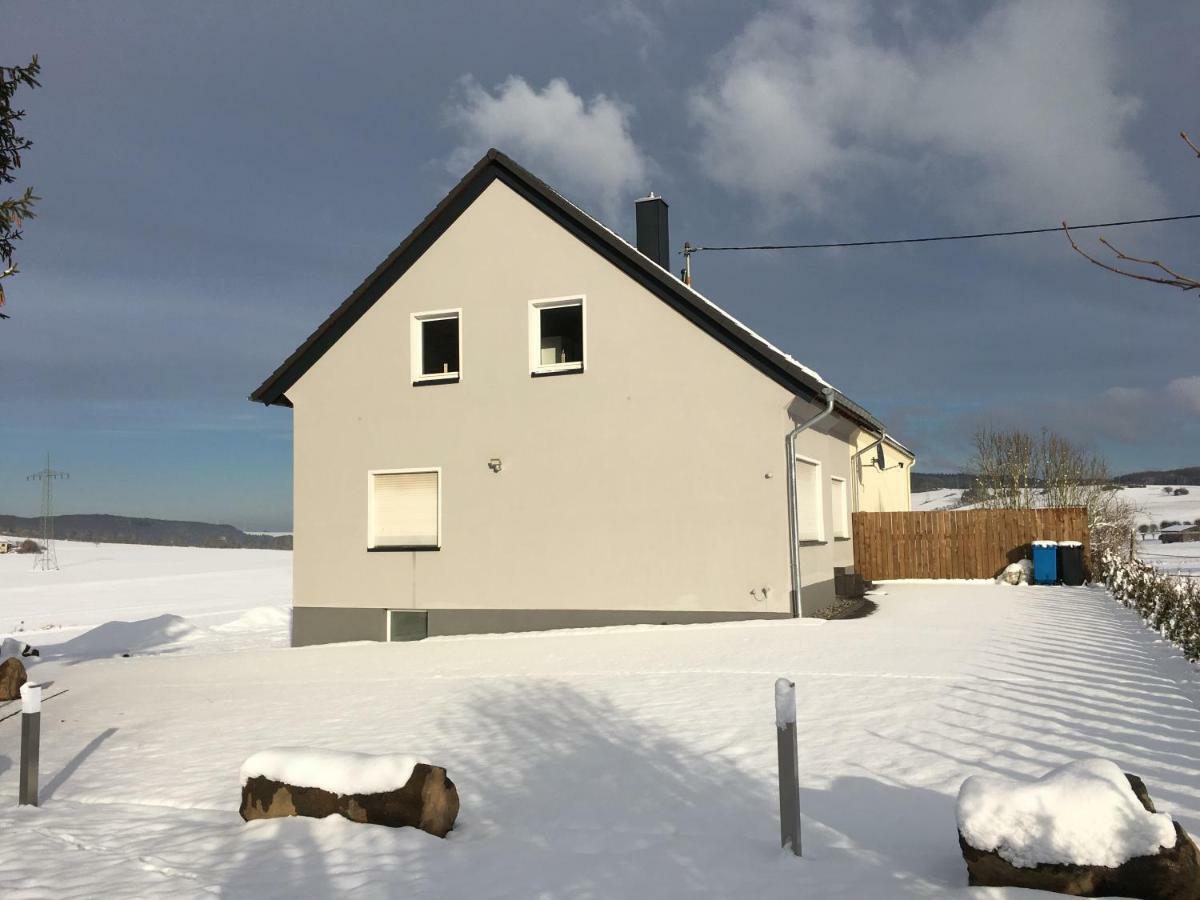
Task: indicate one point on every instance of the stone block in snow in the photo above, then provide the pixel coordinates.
(392, 790)
(1085, 829)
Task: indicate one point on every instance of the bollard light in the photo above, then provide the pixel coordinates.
(31, 729)
(789, 766)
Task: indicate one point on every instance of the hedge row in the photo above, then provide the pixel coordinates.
(1168, 603)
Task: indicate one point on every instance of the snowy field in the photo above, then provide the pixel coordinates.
(942, 498)
(1152, 505)
(1182, 558)
(623, 762)
(238, 596)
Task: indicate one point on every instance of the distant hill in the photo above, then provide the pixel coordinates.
(933, 481)
(127, 530)
(1189, 475)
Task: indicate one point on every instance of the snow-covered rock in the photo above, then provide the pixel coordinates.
(394, 790)
(12, 676)
(1020, 572)
(1085, 828)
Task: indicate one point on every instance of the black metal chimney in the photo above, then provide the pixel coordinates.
(652, 237)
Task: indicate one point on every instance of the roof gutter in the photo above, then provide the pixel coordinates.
(793, 536)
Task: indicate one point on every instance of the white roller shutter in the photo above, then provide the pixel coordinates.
(404, 509)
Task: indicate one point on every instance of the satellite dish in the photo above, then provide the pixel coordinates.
(880, 463)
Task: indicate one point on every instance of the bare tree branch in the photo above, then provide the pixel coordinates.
(1182, 282)
(1187, 140)
(1173, 279)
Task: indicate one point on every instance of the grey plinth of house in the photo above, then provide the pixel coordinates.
(789, 766)
(31, 730)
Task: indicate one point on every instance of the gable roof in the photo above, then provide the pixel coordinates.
(495, 166)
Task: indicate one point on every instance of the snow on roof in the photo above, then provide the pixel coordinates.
(898, 445)
(736, 323)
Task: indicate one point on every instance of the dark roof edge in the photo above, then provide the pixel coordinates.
(496, 165)
(336, 324)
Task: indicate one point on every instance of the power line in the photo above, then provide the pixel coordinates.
(944, 237)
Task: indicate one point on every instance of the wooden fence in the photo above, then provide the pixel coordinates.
(968, 543)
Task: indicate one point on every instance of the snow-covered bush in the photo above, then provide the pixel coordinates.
(1169, 604)
(1020, 572)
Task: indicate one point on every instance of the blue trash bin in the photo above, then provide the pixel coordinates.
(1045, 562)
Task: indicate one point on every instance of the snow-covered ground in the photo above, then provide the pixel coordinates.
(1156, 507)
(242, 597)
(1152, 504)
(622, 762)
(1182, 558)
(942, 498)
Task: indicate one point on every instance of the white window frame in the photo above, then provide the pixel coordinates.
(818, 500)
(416, 348)
(839, 504)
(371, 473)
(535, 334)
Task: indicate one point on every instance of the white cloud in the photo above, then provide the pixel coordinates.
(584, 148)
(630, 20)
(1018, 112)
(1186, 392)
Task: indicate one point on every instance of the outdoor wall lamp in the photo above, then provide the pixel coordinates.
(495, 464)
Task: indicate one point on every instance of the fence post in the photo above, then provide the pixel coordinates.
(789, 768)
(31, 729)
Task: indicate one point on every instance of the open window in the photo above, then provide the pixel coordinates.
(840, 500)
(810, 512)
(404, 509)
(436, 347)
(556, 336)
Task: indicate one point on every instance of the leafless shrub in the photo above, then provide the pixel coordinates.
(1018, 470)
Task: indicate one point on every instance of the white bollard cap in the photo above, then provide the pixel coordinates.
(785, 702)
(31, 698)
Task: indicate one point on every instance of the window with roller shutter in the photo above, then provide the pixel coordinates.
(404, 509)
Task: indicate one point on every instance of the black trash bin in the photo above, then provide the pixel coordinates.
(1070, 562)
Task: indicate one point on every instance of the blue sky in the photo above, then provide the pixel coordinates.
(218, 176)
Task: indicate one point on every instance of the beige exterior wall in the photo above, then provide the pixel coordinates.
(654, 480)
(889, 490)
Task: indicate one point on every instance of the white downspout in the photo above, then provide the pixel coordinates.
(793, 537)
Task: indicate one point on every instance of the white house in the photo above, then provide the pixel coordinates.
(519, 421)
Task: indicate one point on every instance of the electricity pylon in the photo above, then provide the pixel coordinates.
(47, 559)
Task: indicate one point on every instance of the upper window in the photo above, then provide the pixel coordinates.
(436, 346)
(840, 500)
(556, 336)
(404, 509)
(810, 512)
